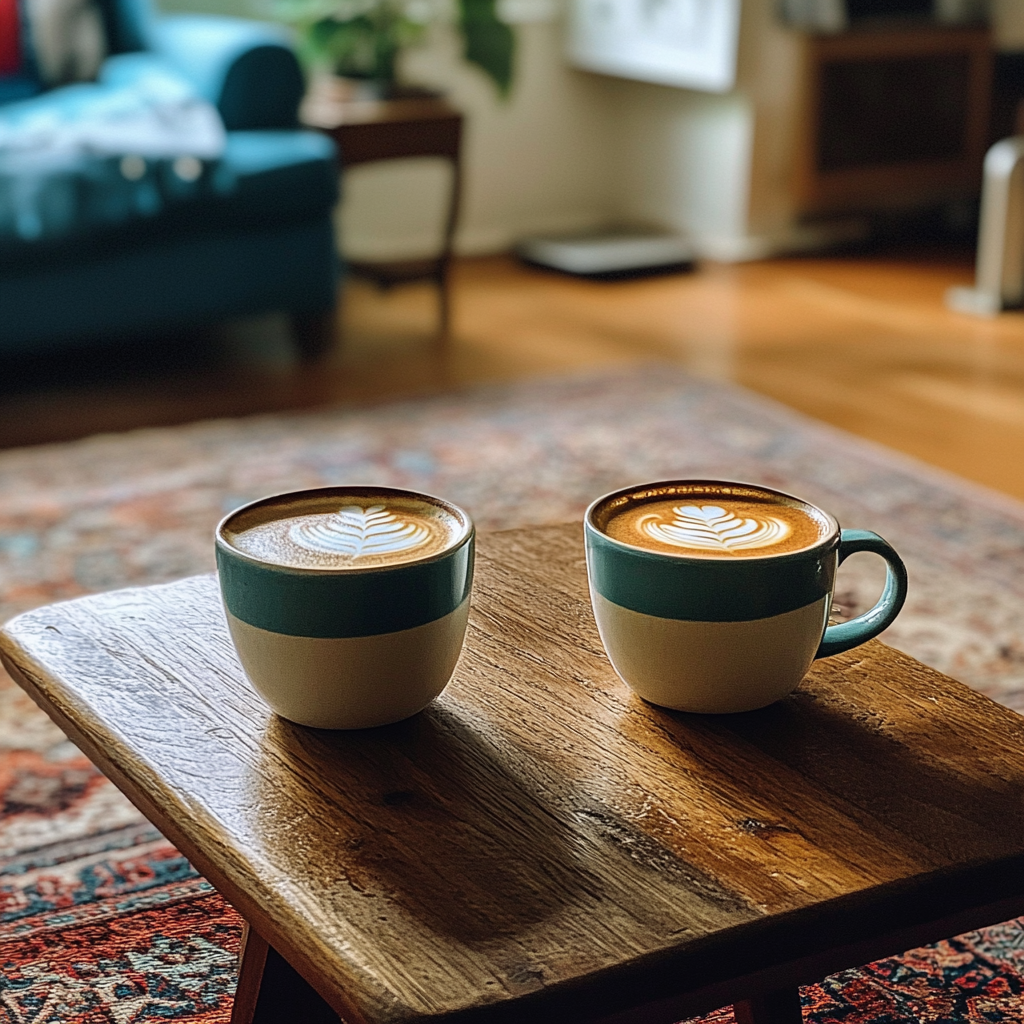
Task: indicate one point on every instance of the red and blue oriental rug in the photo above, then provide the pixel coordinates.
(102, 921)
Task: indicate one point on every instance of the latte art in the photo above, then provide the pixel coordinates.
(360, 530)
(713, 528)
(701, 520)
(357, 531)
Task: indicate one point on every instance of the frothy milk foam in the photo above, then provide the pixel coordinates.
(730, 522)
(340, 531)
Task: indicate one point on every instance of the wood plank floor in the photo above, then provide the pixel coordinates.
(864, 343)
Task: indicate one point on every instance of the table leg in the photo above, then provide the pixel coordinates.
(781, 1007)
(444, 301)
(270, 990)
(314, 334)
(444, 264)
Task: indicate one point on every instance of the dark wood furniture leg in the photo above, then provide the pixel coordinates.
(445, 261)
(314, 334)
(271, 991)
(252, 959)
(781, 1007)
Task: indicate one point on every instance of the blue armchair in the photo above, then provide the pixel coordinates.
(264, 244)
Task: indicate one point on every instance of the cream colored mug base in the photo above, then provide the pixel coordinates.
(351, 682)
(711, 667)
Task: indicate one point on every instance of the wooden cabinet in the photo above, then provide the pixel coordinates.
(893, 118)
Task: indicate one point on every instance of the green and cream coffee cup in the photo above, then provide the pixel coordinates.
(713, 596)
(347, 605)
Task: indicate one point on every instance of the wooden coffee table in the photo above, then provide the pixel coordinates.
(539, 845)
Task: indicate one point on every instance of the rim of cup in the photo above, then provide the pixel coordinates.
(830, 539)
(468, 528)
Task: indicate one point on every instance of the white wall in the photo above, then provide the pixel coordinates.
(540, 161)
(536, 162)
(719, 167)
(572, 150)
(685, 159)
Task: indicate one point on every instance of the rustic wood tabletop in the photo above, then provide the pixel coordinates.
(539, 844)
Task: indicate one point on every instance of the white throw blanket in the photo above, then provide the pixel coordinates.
(155, 116)
(58, 148)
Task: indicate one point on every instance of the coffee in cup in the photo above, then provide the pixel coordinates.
(347, 605)
(329, 533)
(714, 596)
(713, 525)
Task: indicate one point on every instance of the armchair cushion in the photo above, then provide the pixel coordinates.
(264, 180)
(245, 68)
(44, 45)
(275, 176)
(68, 39)
(97, 155)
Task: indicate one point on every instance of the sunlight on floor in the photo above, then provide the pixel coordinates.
(864, 343)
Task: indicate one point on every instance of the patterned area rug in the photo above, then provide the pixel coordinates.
(101, 920)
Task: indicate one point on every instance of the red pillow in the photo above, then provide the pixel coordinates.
(10, 38)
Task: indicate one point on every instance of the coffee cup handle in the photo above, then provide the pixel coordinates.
(864, 627)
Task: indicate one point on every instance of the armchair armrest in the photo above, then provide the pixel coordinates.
(246, 68)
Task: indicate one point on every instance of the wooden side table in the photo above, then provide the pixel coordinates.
(368, 130)
(539, 844)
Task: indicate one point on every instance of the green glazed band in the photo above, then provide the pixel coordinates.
(332, 604)
(695, 589)
(707, 589)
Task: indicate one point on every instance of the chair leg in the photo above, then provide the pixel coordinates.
(444, 301)
(314, 334)
(781, 1007)
(444, 274)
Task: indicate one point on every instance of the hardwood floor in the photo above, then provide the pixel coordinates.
(864, 343)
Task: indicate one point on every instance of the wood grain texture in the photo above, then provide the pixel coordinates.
(540, 844)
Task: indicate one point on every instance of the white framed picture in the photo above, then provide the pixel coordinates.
(687, 43)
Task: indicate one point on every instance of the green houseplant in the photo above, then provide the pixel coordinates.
(361, 39)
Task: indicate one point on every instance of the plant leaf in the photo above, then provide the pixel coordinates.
(488, 42)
